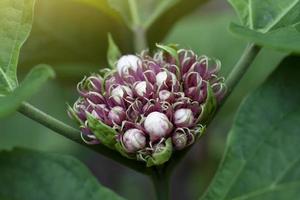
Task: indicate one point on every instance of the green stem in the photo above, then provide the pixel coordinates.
(134, 12)
(75, 135)
(140, 40)
(161, 182)
(241, 67)
(139, 33)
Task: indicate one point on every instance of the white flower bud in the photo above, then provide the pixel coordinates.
(117, 114)
(165, 95)
(141, 88)
(161, 77)
(133, 140)
(119, 92)
(183, 117)
(157, 125)
(128, 62)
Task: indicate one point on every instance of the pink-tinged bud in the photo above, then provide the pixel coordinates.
(117, 115)
(134, 140)
(157, 125)
(183, 117)
(179, 140)
(141, 88)
(120, 92)
(95, 83)
(128, 62)
(166, 95)
(163, 77)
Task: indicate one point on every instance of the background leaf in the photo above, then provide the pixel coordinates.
(15, 23)
(262, 161)
(28, 175)
(274, 23)
(113, 52)
(31, 84)
(103, 6)
(287, 38)
(267, 15)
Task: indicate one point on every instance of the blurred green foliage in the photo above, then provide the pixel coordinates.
(73, 38)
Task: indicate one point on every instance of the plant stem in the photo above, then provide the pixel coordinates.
(75, 135)
(161, 182)
(241, 67)
(139, 33)
(134, 12)
(140, 41)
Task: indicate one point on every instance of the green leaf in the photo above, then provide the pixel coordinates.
(28, 175)
(122, 7)
(165, 6)
(287, 38)
(271, 22)
(267, 15)
(170, 49)
(113, 53)
(261, 161)
(31, 84)
(103, 6)
(162, 155)
(104, 133)
(15, 22)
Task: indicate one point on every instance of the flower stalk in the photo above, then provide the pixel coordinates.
(241, 67)
(161, 183)
(74, 134)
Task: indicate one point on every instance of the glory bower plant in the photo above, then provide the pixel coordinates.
(149, 106)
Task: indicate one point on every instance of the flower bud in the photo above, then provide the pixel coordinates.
(157, 125)
(120, 92)
(179, 140)
(94, 83)
(133, 140)
(128, 62)
(183, 117)
(141, 88)
(163, 76)
(117, 114)
(165, 95)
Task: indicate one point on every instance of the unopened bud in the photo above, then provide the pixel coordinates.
(128, 62)
(141, 88)
(183, 117)
(157, 125)
(179, 140)
(133, 140)
(120, 92)
(117, 114)
(163, 76)
(165, 95)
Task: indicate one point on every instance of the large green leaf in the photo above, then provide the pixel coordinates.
(262, 159)
(267, 15)
(15, 23)
(29, 175)
(287, 38)
(31, 84)
(273, 22)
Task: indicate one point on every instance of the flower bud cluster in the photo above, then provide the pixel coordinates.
(151, 102)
